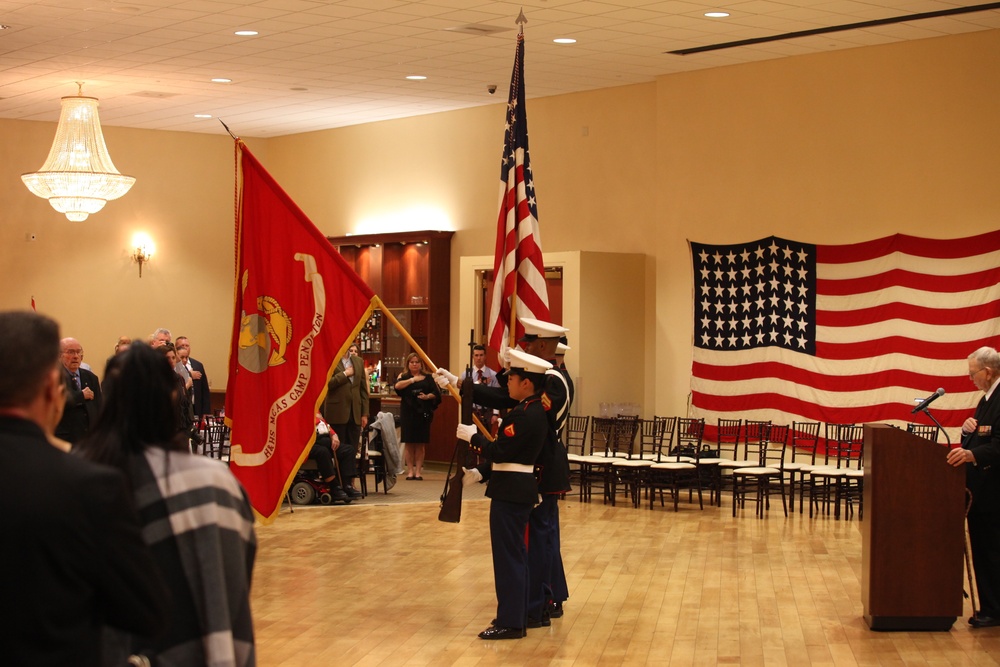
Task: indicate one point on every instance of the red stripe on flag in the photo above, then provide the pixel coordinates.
(911, 313)
(910, 245)
(910, 279)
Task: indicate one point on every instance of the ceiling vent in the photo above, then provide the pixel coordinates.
(154, 94)
(480, 29)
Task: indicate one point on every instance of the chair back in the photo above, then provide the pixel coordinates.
(669, 425)
(575, 434)
(728, 437)
(844, 445)
(755, 435)
(777, 444)
(690, 433)
(600, 435)
(804, 441)
(928, 431)
(216, 434)
(623, 433)
(650, 438)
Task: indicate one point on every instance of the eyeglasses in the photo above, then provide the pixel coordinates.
(80, 351)
(972, 374)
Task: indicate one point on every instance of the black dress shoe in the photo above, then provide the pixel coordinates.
(493, 632)
(555, 610)
(338, 494)
(542, 622)
(984, 622)
(353, 493)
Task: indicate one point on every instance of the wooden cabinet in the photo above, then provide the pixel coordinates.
(411, 274)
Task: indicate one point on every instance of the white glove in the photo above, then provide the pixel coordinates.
(444, 378)
(466, 431)
(504, 354)
(471, 477)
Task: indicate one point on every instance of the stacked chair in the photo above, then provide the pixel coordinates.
(803, 442)
(839, 480)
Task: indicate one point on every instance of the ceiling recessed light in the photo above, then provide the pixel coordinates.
(246, 33)
(564, 40)
(221, 80)
(416, 77)
(203, 115)
(716, 15)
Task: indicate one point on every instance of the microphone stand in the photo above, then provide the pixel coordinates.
(940, 428)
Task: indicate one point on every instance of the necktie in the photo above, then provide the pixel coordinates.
(76, 380)
(480, 376)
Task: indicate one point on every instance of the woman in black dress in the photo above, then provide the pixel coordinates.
(419, 396)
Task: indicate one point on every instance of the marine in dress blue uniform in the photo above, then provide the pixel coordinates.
(548, 588)
(513, 489)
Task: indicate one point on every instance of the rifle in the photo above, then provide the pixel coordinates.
(451, 497)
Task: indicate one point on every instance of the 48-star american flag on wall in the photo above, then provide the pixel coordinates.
(789, 331)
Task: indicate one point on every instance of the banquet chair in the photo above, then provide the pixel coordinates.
(803, 442)
(632, 471)
(574, 437)
(748, 455)
(928, 431)
(621, 466)
(840, 479)
(216, 437)
(594, 461)
(680, 470)
(767, 476)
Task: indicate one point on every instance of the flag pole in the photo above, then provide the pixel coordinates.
(377, 302)
(512, 328)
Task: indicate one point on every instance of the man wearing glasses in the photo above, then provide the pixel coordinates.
(83, 393)
(980, 454)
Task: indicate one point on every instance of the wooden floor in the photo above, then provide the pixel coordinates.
(390, 585)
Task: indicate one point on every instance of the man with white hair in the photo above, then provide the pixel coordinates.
(980, 454)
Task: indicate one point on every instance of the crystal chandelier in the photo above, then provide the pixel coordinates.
(78, 177)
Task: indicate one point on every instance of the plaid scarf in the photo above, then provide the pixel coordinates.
(197, 521)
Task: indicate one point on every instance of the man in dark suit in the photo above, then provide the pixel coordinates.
(83, 393)
(202, 392)
(980, 454)
(346, 411)
(72, 554)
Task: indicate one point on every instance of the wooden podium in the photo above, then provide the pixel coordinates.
(913, 534)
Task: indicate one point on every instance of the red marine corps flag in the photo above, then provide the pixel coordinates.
(518, 270)
(297, 306)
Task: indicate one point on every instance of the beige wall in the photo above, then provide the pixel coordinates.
(836, 147)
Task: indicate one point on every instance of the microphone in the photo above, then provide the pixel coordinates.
(927, 401)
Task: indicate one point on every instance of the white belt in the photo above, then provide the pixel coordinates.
(513, 467)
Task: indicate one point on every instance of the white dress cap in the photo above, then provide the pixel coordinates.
(528, 362)
(538, 329)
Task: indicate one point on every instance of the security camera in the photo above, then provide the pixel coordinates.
(492, 88)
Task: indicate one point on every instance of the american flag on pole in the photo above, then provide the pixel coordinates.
(785, 330)
(518, 269)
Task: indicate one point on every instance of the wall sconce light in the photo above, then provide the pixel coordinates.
(78, 177)
(143, 250)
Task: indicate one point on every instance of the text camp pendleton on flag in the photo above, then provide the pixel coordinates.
(297, 307)
(788, 331)
(519, 288)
